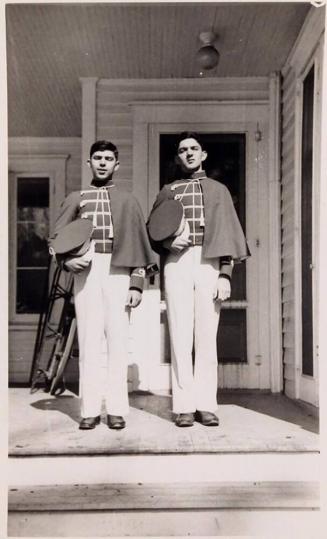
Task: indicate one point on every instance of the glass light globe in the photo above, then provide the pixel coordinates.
(207, 56)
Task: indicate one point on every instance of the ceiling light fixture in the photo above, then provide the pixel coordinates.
(207, 55)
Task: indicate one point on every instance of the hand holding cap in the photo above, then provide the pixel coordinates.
(165, 220)
(72, 239)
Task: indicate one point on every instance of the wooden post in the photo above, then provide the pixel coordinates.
(274, 235)
(88, 122)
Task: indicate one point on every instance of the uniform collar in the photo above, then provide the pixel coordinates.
(106, 186)
(197, 175)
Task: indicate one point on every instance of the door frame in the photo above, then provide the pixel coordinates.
(151, 119)
(307, 387)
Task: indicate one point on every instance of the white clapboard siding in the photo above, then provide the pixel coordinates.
(114, 112)
(287, 281)
(289, 388)
(114, 121)
(22, 336)
(289, 122)
(21, 345)
(288, 292)
(287, 232)
(288, 360)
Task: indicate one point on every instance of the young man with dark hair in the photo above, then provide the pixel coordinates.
(108, 282)
(198, 269)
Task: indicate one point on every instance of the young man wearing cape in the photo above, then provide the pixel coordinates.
(200, 256)
(108, 282)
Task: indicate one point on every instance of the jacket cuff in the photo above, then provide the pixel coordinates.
(225, 276)
(226, 267)
(137, 279)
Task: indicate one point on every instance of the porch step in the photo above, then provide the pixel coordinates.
(124, 496)
(174, 509)
(110, 469)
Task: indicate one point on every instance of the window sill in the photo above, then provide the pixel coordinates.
(20, 325)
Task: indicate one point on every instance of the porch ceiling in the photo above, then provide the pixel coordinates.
(50, 46)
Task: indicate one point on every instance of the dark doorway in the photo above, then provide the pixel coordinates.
(225, 163)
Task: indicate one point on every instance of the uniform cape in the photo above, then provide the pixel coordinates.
(223, 234)
(131, 247)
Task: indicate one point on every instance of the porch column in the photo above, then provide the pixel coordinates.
(88, 122)
(275, 327)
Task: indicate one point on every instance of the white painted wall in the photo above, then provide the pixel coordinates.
(307, 50)
(116, 104)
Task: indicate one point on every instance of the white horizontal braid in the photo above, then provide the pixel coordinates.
(190, 195)
(181, 184)
(95, 204)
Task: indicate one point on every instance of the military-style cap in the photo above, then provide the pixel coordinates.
(72, 239)
(165, 220)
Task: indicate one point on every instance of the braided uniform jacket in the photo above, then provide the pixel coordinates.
(223, 236)
(119, 227)
(189, 193)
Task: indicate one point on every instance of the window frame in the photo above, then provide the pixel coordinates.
(27, 166)
(14, 316)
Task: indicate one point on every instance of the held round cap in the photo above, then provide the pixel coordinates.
(73, 238)
(164, 220)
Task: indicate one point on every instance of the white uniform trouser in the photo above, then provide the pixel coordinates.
(190, 282)
(100, 293)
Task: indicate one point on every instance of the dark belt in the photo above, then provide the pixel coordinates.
(103, 248)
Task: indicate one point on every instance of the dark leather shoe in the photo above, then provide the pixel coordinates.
(207, 418)
(184, 420)
(115, 422)
(89, 423)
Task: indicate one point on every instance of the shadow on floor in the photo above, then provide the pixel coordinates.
(41, 424)
(274, 405)
(66, 404)
(158, 405)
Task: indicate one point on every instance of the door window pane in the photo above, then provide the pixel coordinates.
(32, 242)
(231, 340)
(225, 163)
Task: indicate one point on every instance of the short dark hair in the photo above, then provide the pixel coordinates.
(188, 134)
(102, 145)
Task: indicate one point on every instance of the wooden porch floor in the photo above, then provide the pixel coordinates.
(249, 422)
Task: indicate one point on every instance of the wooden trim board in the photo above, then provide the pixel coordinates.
(122, 496)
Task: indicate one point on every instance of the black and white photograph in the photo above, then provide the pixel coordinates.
(166, 217)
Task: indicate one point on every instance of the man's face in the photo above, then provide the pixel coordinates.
(103, 164)
(190, 155)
